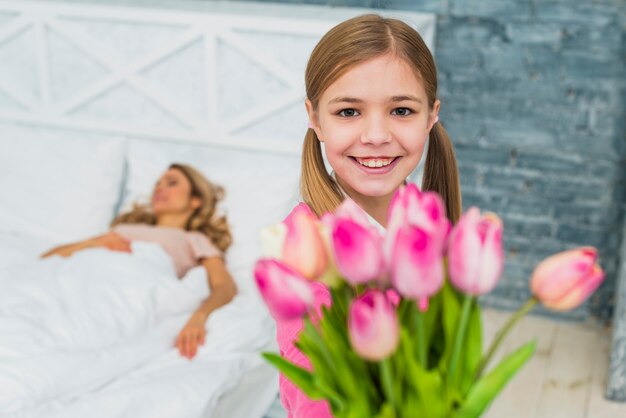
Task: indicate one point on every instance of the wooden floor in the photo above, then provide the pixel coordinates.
(565, 378)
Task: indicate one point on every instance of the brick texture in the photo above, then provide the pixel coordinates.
(534, 97)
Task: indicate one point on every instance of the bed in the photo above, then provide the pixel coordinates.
(96, 100)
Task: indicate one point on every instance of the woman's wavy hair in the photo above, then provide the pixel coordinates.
(346, 45)
(204, 219)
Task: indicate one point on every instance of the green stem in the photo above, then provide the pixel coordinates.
(513, 319)
(385, 372)
(421, 338)
(404, 311)
(460, 337)
(319, 340)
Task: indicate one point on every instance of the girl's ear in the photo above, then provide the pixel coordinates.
(313, 119)
(433, 117)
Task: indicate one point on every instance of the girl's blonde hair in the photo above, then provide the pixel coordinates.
(346, 45)
(204, 219)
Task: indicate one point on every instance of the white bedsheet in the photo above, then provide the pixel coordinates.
(93, 335)
(21, 248)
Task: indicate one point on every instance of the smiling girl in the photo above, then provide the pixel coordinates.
(371, 87)
(181, 218)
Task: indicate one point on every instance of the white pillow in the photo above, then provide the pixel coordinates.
(261, 188)
(58, 184)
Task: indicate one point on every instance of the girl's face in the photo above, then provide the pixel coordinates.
(374, 121)
(172, 194)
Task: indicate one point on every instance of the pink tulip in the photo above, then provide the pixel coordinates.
(287, 294)
(475, 255)
(373, 326)
(416, 264)
(349, 209)
(424, 210)
(358, 251)
(565, 280)
(303, 248)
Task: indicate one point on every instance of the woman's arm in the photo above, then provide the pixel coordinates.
(110, 240)
(222, 290)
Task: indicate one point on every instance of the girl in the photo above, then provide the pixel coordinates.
(372, 102)
(181, 218)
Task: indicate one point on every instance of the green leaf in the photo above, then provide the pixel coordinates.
(386, 411)
(298, 375)
(450, 314)
(431, 399)
(487, 388)
(431, 319)
(346, 372)
(472, 353)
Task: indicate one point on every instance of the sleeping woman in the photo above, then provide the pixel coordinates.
(182, 220)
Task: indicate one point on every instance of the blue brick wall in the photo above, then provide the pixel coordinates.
(533, 95)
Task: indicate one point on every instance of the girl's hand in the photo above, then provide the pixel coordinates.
(191, 336)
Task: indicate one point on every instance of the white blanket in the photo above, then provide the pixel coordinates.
(93, 334)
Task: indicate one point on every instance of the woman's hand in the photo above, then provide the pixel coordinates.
(110, 240)
(222, 290)
(191, 336)
(113, 242)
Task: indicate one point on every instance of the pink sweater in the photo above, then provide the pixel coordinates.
(297, 404)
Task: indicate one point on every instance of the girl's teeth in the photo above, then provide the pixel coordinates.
(375, 163)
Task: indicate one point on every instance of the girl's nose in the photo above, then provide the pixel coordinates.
(376, 131)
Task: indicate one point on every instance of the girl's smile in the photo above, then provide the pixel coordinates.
(376, 165)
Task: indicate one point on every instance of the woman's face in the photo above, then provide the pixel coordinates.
(374, 122)
(172, 194)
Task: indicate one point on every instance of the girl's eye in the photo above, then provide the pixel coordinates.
(171, 183)
(402, 111)
(348, 113)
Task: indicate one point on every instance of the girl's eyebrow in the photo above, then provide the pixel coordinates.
(402, 98)
(345, 100)
(405, 98)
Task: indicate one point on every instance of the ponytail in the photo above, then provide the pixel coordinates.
(440, 171)
(318, 189)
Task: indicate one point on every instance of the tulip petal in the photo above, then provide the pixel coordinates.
(272, 240)
(373, 326)
(358, 251)
(464, 249)
(578, 293)
(299, 209)
(475, 252)
(287, 294)
(349, 209)
(553, 276)
(417, 263)
(425, 210)
(304, 249)
(492, 255)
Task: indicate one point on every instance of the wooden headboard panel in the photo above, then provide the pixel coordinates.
(223, 74)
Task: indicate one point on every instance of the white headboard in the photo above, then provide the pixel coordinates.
(224, 74)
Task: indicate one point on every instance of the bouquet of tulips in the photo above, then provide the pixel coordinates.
(402, 334)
